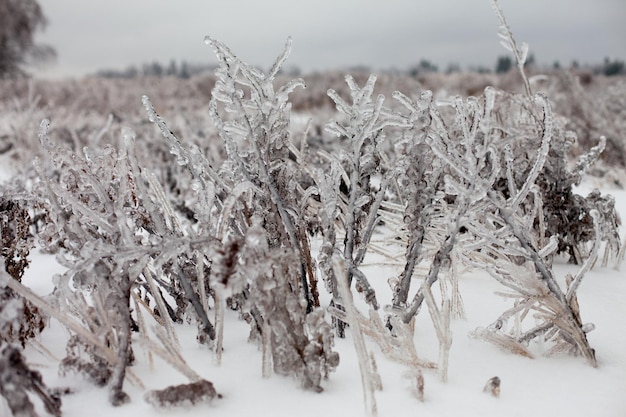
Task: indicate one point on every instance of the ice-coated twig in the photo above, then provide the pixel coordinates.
(164, 315)
(207, 326)
(442, 256)
(509, 43)
(373, 216)
(591, 259)
(169, 354)
(220, 310)
(184, 156)
(542, 154)
(237, 192)
(266, 348)
(369, 377)
(65, 319)
(441, 322)
(585, 161)
(503, 341)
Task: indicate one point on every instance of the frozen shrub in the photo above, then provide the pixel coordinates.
(255, 204)
(253, 121)
(487, 186)
(89, 211)
(119, 236)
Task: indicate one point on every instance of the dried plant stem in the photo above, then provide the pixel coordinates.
(66, 320)
(441, 323)
(117, 396)
(220, 309)
(267, 349)
(169, 353)
(442, 256)
(143, 331)
(419, 386)
(207, 326)
(163, 312)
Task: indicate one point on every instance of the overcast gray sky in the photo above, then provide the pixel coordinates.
(381, 34)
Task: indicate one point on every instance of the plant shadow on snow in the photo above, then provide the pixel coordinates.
(162, 234)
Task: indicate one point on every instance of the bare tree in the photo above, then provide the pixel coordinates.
(19, 21)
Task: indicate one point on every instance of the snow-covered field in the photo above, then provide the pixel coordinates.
(544, 386)
(558, 385)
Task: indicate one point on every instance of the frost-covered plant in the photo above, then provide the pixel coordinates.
(91, 224)
(505, 226)
(282, 296)
(253, 121)
(120, 240)
(480, 190)
(258, 195)
(353, 191)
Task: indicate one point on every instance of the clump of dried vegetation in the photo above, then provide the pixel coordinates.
(244, 216)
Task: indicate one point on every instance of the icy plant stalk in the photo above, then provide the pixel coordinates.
(369, 376)
(420, 182)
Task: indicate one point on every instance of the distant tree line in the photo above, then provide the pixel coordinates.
(504, 63)
(609, 67)
(181, 70)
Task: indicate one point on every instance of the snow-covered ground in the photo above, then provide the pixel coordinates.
(545, 386)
